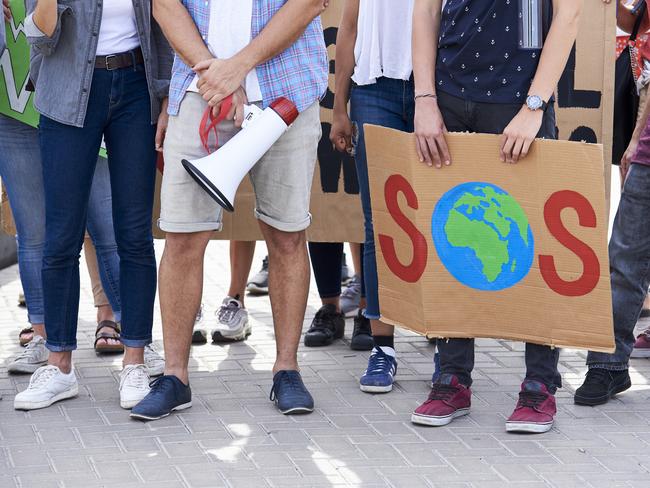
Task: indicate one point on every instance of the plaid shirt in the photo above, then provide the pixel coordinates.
(300, 73)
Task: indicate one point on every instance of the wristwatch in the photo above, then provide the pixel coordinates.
(535, 102)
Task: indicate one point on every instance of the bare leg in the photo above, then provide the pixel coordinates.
(381, 329)
(62, 360)
(288, 289)
(336, 301)
(355, 248)
(39, 329)
(181, 287)
(241, 260)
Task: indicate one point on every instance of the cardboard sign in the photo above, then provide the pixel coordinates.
(487, 249)
(15, 100)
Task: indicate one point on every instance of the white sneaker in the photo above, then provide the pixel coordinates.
(31, 358)
(154, 362)
(232, 322)
(134, 385)
(46, 386)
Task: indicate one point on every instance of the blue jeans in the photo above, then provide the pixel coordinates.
(389, 103)
(118, 110)
(629, 266)
(21, 172)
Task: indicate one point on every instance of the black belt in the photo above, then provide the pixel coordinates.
(118, 61)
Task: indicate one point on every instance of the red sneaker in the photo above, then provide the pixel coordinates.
(642, 345)
(534, 411)
(448, 399)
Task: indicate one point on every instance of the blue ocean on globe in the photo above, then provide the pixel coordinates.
(482, 236)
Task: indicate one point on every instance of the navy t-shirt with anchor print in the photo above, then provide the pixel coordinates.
(488, 51)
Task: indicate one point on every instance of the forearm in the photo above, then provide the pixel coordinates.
(284, 28)
(426, 28)
(557, 48)
(345, 62)
(181, 31)
(46, 16)
(642, 121)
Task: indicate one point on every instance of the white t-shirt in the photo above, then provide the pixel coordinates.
(118, 32)
(229, 33)
(383, 46)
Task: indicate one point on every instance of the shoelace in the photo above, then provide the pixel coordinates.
(289, 382)
(361, 326)
(440, 391)
(161, 385)
(42, 376)
(379, 362)
(226, 313)
(531, 399)
(139, 373)
(353, 289)
(322, 322)
(29, 349)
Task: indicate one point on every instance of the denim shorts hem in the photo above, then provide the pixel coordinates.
(60, 347)
(609, 366)
(137, 343)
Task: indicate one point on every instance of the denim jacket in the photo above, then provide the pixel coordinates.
(63, 76)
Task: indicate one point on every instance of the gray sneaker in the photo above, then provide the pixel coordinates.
(259, 284)
(199, 335)
(232, 322)
(31, 358)
(351, 296)
(153, 360)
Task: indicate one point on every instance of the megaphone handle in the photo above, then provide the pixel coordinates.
(205, 128)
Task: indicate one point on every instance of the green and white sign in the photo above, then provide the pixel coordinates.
(15, 100)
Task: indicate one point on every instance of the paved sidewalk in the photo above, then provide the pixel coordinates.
(233, 436)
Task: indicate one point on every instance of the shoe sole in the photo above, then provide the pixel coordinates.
(591, 402)
(257, 290)
(218, 337)
(297, 411)
(640, 353)
(73, 392)
(24, 368)
(375, 389)
(199, 337)
(432, 421)
(528, 428)
(184, 406)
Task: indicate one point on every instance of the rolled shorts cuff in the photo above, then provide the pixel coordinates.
(35, 318)
(137, 343)
(609, 366)
(60, 347)
(190, 227)
(284, 226)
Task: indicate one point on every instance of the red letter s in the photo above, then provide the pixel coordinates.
(412, 272)
(591, 267)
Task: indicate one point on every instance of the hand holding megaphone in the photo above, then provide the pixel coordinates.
(221, 172)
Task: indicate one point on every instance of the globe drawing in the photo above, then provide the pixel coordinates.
(482, 236)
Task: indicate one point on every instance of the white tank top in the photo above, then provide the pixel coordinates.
(383, 46)
(118, 32)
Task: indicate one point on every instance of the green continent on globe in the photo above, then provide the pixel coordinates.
(482, 222)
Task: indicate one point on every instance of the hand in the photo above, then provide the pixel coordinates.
(161, 127)
(219, 78)
(239, 99)
(626, 160)
(520, 134)
(341, 132)
(430, 133)
(5, 10)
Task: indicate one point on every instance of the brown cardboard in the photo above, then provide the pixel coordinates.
(438, 304)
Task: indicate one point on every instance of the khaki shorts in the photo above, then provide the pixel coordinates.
(282, 179)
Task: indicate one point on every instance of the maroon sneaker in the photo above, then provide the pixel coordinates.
(642, 345)
(534, 411)
(448, 399)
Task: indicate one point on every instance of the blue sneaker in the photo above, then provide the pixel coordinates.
(167, 394)
(378, 378)
(436, 369)
(290, 394)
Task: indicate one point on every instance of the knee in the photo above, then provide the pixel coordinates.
(285, 243)
(186, 246)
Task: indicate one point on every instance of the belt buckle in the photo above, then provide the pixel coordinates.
(107, 61)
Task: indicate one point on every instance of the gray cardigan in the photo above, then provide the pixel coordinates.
(64, 74)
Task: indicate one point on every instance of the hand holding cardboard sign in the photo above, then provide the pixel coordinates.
(430, 133)
(520, 134)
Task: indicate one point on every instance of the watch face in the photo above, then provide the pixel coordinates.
(534, 102)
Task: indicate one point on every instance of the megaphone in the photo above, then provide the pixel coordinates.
(221, 172)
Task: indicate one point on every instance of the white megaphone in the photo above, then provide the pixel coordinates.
(221, 172)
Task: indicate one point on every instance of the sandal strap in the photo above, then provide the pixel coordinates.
(108, 324)
(26, 330)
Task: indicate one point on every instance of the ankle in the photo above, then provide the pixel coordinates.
(133, 355)
(62, 360)
(105, 312)
(180, 373)
(285, 366)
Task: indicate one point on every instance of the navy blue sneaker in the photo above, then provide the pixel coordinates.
(290, 394)
(379, 376)
(167, 394)
(436, 369)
